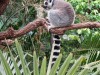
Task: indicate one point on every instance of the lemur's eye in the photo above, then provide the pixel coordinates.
(45, 3)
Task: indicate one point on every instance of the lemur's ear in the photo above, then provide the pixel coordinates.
(50, 1)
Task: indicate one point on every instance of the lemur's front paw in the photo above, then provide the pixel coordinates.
(47, 21)
(47, 26)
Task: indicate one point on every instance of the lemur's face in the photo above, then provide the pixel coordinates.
(48, 4)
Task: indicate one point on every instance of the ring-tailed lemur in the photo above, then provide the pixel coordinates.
(59, 14)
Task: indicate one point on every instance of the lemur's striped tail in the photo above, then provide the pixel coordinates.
(55, 51)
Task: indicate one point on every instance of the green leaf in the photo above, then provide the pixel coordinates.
(43, 67)
(0, 73)
(83, 72)
(21, 55)
(15, 64)
(5, 64)
(35, 64)
(56, 65)
(75, 66)
(65, 65)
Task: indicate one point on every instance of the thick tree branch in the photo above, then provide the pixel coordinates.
(61, 31)
(11, 33)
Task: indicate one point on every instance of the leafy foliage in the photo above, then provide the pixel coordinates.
(67, 67)
(86, 7)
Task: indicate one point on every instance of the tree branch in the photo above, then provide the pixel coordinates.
(11, 33)
(61, 31)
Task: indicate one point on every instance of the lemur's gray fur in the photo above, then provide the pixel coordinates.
(59, 14)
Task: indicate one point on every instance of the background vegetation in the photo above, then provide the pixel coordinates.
(84, 42)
